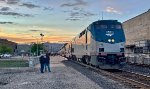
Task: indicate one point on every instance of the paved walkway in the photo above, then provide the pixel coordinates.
(61, 77)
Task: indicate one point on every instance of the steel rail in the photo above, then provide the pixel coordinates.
(126, 80)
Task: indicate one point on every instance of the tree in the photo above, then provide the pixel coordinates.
(36, 47)
(5, 49)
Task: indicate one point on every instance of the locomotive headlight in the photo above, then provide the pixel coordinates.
(109, 40)
(112, 40)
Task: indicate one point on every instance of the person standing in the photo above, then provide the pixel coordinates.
(42, 62)
(47, 62)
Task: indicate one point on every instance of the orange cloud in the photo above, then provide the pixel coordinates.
(29, 39)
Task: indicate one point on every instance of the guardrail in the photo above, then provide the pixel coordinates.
(33, 61)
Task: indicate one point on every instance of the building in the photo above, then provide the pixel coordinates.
(137, 28)
(23, 49)
(137, 32)
(11, 44)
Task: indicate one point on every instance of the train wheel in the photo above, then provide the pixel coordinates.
(87, 60)
(83, 60)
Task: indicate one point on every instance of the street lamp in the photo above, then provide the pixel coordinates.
(42, 35)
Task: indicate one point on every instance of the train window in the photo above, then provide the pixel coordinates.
(112, 26)
(98, 27)
(101, 49)
(103, 26)
(121, 49)
(72, 49)
(118, 26)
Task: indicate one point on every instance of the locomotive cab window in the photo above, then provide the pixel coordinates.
(118, 27)
(98, 26)
(112, 26)
(103, 26)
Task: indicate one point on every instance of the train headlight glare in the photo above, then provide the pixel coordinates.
(113, 40)
(109, 40)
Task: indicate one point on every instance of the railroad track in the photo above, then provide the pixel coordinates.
(133, 80)
(137, 77)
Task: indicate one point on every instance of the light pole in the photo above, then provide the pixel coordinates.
(42, 35)
(37, 47)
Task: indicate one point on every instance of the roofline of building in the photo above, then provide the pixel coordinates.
(137, 16)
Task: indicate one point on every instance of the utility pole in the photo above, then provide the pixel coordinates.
(42, 35)
(37, 48)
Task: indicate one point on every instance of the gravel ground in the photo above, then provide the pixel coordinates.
(65, 75)
(138, 69)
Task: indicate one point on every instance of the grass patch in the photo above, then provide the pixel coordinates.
(14, 63)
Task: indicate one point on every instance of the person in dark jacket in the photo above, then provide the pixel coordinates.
(47, 62)
(42, 62)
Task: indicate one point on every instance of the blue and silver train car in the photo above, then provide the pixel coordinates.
(101, 44)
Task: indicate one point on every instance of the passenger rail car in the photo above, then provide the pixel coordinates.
(101, 44)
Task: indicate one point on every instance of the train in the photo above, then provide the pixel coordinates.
(101, 44)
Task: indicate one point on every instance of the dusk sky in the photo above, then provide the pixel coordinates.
(22, 21)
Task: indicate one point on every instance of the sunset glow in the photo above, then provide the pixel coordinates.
(22, 21)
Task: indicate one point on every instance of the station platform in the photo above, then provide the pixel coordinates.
(62, 76)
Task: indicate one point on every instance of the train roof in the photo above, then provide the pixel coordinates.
(96, 22)
(105, 22)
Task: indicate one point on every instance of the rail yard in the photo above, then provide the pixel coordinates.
(105, 54)
(67, 74)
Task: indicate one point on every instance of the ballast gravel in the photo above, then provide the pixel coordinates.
(64, 75)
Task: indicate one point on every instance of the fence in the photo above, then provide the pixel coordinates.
(33, 61)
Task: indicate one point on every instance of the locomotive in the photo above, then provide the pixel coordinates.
(101, 44)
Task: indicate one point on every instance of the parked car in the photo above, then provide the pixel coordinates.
(5, 55)
(1, 56)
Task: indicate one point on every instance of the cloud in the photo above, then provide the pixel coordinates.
(2, 0)
(28, 38)
(112, 10)
(74, 14)
(76, 3)
(87, 14)
(48, 8)
(5, 9)
(16, 37)
(58, 38)
(6, 22)
(30, 6)
(15, 14)
(77, 15)
(72, 19)
(1, 29)
(12, 1)
(34, 30)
